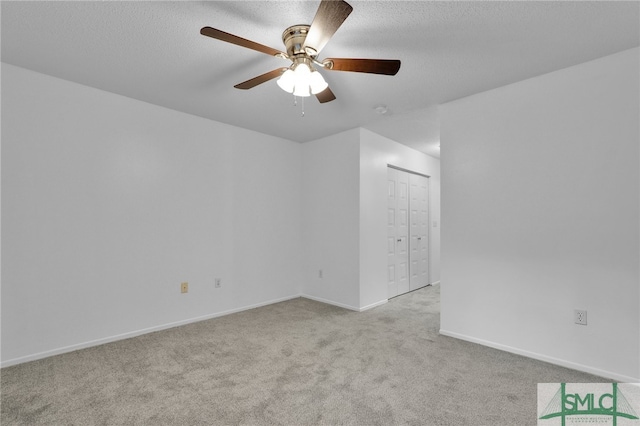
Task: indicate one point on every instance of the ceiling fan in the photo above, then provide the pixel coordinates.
(303, 44)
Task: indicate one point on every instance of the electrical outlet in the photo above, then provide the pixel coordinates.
(184, 288)
(218, 283)
(580, 316)
(319, 273)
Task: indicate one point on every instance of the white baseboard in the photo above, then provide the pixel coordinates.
(435, 283)
(128, 335)
(373, 305)
(342, 305)
(540, 357)
(330, 302)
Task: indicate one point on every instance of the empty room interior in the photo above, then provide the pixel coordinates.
(316, 212)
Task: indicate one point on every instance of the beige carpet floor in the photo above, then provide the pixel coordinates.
(298, 362)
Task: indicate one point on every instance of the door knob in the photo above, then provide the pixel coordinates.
(399, 239)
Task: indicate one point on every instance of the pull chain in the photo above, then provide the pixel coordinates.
(295, 103)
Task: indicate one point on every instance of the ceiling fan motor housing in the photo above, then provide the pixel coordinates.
(293, 39)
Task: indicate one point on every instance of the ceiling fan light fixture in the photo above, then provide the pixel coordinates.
(302, 72)
(287, 81)
(301, 80)
(317, 83)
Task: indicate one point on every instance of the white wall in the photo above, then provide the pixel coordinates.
(540, 208)
(376, 153)
(330, 215)
(109, 203)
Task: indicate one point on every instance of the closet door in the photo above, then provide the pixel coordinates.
(419, 246)
(392, 285)
(398, 232)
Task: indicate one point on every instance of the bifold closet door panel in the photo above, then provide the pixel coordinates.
(392, 285)
(419, 246)
(398, 232)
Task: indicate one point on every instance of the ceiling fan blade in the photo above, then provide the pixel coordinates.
(230, 38)
(325, 96)
(260, 79)
(330, 15)
(372, 66)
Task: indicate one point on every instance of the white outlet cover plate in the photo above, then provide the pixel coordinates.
(580, 316)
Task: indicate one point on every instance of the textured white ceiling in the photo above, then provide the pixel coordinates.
(153, 51)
